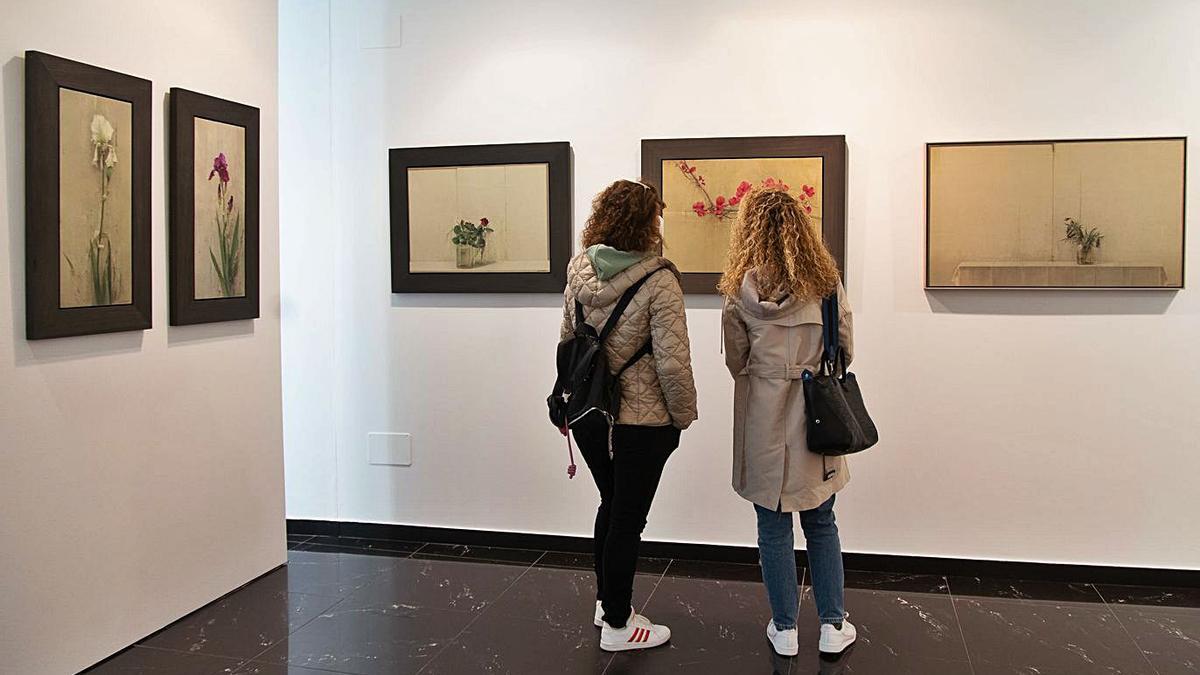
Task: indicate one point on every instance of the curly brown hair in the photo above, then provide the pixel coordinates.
(624, 217)
(775, 237)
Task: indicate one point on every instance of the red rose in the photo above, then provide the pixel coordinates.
(483, 222)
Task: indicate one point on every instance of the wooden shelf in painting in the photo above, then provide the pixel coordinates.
(417, 267)
(1065, 274)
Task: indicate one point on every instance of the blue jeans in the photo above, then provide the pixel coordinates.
(777, 556)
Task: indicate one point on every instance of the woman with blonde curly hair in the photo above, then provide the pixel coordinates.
(778, 272)
(647, 349)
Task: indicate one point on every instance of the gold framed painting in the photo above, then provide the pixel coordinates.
(1067, 214)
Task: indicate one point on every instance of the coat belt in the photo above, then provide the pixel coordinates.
(776, 372)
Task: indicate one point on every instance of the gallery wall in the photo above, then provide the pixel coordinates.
(1042, 426)
(141, 473)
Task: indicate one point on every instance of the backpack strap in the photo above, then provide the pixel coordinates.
(579, 321)
(626, 298)
(646, 349)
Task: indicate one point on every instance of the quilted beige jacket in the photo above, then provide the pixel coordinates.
(658, 390)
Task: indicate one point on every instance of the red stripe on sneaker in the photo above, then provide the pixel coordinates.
(634, 636)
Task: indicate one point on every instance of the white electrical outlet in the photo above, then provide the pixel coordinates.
(389, 449)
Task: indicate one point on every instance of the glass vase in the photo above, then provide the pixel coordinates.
(1085, 256)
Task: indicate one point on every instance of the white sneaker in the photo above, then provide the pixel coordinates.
(785, 642)
(834, 641)
(599, 614)
(638, 633)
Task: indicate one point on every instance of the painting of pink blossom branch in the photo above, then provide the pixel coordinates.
(95, 200)
(703, 197)
(220, 193)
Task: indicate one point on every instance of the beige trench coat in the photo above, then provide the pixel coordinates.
(767, 348)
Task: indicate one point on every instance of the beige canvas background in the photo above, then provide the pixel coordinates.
(701, 244)
(515, 198)
(1008, 202)
(79, 196)
(212, 138)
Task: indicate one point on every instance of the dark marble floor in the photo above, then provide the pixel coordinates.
(367, 606)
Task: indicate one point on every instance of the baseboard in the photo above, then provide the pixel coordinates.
(873, 562)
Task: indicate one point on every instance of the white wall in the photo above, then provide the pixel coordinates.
(1044, 426)
(141, 472)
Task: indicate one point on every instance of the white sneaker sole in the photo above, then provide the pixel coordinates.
(630, 646)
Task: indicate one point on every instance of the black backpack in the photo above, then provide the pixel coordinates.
(585, 385)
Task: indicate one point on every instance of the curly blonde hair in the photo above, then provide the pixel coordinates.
(624, 217)
(775, 237)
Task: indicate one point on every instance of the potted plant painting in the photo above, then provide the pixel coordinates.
(1086, 240)
(470, 243)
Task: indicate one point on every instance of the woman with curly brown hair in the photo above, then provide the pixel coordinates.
(778, 273)
(649, 347)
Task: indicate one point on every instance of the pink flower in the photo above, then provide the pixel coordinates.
(784, 186)
(770, 182)
(733, 201)
(808, 208)
(743, 187)
(691, 169)
(483, 222)
(720, 210)
(809, 190)
(720, 200)
(220, 167)
(698, 207)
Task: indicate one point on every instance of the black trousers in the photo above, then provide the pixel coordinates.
(627, 483)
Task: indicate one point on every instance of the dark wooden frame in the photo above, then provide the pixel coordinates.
(185, 107)
(44, 316)
(1183, 214)
(831, 149)
(556, 155)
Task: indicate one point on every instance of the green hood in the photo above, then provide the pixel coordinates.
(609, 262)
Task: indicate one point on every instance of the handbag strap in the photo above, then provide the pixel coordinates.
(832, 350)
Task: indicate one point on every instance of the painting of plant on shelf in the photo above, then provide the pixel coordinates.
(703, 197)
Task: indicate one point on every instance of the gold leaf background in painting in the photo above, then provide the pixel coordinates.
(701, 244)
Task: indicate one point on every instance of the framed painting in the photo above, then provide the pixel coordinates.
(87, 199)
(701, 180)
(481, 218)
(1069, 214)
(213, 166)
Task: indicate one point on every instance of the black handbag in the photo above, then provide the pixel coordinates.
(838, 423)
